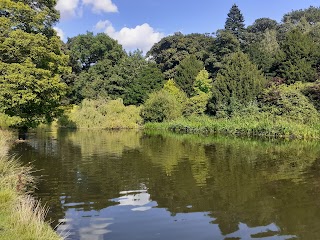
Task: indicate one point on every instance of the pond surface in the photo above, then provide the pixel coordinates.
(147, 185)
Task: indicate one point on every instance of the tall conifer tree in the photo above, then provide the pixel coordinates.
(235, 21)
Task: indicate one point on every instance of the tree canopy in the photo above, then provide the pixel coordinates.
(171, 50)
(31, 61)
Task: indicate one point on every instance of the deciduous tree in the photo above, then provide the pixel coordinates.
(31, 61)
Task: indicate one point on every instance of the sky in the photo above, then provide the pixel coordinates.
(138, 24)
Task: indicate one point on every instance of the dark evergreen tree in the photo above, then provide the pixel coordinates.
(235, 21)
(299, 57)
(187, 72)
(225, 43)
(149, 79)
(238, 82)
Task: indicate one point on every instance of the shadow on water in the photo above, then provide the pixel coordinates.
(150, 185)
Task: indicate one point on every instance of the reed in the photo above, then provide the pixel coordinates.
(262, 125)
(21, 216)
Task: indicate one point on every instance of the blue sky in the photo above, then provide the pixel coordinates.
(141, 23)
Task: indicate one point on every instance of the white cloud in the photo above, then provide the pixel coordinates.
(60, 32)
(67, 8)
(141, 37)
(72, 8)
(101, 5)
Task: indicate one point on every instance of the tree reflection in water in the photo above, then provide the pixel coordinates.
(223, 187)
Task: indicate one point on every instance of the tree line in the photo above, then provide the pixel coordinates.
(270, 66)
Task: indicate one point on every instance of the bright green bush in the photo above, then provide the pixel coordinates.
(166, 104)
(105, 114)
(161, 106)
(196, 105)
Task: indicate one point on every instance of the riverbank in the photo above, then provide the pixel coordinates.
(21, 216)
(241, 126)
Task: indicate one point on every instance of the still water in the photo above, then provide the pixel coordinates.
(146, 185)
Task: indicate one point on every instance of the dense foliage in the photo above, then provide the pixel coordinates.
(238, 82)
(268, 69)
(31, 62)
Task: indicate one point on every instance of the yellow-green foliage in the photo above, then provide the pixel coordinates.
(161, 106)
(172, 88)
(203, 83)
(7, 121)
(5, 138)
(166, 104)
(197, 104)
(103, 114)
(21, 217)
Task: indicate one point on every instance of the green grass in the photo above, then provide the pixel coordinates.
(21, 217)
(263, 126)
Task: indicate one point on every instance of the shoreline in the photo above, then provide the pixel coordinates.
(240, 127)
(21, 216)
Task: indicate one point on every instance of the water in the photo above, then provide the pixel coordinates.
(144, 185)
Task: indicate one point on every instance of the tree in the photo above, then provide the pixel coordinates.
(288, 102)
(160, 107)
(93, 59)
(264, 53)
(139, 77)
(235, 21)
(171, 50)
(237, 82)
(31, 62)
(87, 49)
(261, 25)
(299, 57)
(225, 43)
(311, 14)
(202, 87)
(31, 16)
(30, 93)
(148, 80)
(187, 71)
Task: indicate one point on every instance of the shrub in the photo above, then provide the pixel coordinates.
(313, 93)
(106, 114)
(161, 106)
(289, 102)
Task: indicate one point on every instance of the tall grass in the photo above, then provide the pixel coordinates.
(21, 216)
(262, 125)
(5, 138)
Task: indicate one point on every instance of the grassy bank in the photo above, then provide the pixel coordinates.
(21, 217)
(262, 126)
